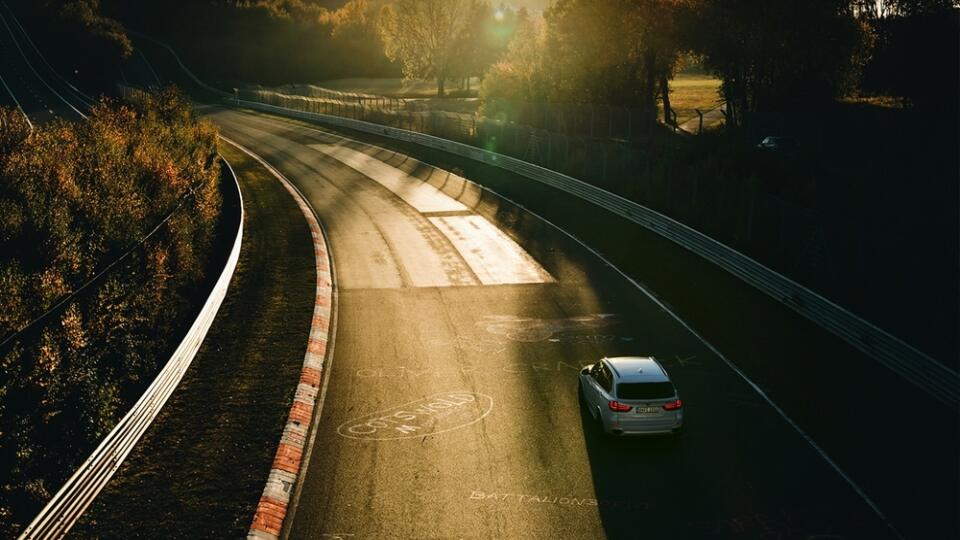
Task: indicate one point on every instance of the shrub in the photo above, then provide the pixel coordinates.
(73, 199)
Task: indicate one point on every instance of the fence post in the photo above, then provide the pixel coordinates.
(593, 118)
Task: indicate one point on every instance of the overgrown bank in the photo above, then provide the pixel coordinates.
(200, 469)
(137, 184)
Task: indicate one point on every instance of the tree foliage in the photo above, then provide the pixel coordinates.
(613, 52)
(73, 198)
(774, 55)
(267, 41)
(422, 36)
(77, 37)
(484, 39)
(777, 54)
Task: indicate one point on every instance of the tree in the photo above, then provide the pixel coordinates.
(484, 40)
(422, 36)
(881, 9)
(777, 54)
(612, 52)
(520, 74)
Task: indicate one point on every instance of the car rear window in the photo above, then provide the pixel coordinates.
(650, 390)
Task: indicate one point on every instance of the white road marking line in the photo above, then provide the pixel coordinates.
(431, 415)
(415, 192)
(520, 499)
(492, 255)
(530, 330)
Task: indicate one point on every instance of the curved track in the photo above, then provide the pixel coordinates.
(443, 318)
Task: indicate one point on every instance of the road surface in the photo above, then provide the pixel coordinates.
(27, 82)
(452, 411)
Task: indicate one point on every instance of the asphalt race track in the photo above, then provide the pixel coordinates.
(451, 409)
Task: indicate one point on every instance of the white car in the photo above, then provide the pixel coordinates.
(631, 395)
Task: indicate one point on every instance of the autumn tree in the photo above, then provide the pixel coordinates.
(614, 52)
(484, 40)
(76, 198)
(422, 36)
(520, 74)
(779, 54)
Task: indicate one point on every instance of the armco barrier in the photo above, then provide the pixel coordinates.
(66, 507)
(931, 376)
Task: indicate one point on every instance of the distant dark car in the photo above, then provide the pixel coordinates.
(778, 144)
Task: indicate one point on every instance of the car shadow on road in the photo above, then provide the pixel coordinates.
(636, 480)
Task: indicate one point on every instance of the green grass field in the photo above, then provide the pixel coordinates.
(690, 91)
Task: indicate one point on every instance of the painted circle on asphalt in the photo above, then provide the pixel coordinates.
(432, 415)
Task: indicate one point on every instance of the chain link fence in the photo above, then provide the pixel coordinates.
(618, 156)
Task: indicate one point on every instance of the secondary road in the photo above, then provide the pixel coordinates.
(467, 324)
(27, 82)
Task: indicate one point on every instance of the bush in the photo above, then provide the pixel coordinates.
(73, 199)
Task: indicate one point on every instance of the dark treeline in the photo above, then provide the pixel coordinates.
(771, 55)
(916, 57)
(87, 46)
(268, 42)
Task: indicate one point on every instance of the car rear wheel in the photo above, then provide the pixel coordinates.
(598, 422)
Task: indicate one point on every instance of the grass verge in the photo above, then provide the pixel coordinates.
(199, 471)
(689, 92)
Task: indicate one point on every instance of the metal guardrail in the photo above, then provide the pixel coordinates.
(76, 495)
(918, 368)
(180, 63)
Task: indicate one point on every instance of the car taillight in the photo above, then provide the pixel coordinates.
(673, 405)
(619, 407)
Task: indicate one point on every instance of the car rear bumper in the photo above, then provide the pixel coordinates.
(632, 426)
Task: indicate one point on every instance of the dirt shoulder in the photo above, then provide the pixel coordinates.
(200, 469)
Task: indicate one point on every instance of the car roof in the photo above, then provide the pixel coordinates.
(637, 369)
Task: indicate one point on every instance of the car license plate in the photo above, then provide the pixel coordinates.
(647, 410)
